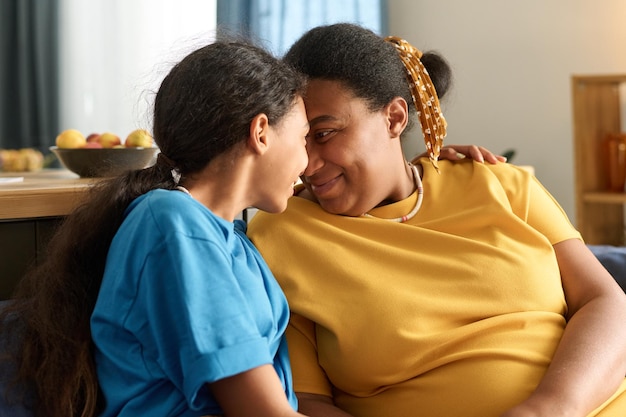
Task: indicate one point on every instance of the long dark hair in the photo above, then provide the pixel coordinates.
(202, 109)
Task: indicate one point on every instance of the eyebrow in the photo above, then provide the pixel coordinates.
(320, 119)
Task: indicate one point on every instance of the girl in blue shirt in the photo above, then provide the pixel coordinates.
(151, 300)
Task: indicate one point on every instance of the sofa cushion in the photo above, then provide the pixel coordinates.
(614, 260)
(9, 407)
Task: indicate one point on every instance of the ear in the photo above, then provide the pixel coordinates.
(397, 112)
(258, 141)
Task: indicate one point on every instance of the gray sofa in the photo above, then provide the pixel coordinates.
(613, 258)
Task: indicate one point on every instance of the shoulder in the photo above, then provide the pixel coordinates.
(302, 192)
(176, 212)
(506, 174)
(486, 182)
(501, 168)
(265, 224)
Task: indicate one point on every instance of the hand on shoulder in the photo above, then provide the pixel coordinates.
(459, 152)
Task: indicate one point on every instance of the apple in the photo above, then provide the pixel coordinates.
(93, 145)
(109, 140)
(20, 160)
(93, 137)
(139, 138)
(70, 139)
(11, 161)
(33, 159)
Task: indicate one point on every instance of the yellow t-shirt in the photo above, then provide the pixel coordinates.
(456, 312)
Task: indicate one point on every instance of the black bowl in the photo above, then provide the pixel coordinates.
(105, 162)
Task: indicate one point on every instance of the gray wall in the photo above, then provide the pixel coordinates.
(513, 61)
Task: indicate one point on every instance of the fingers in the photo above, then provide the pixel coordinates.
(490, 156)
(451, 153)
(477, 153)
(458, 152)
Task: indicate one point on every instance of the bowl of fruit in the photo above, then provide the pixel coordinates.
(104, 154)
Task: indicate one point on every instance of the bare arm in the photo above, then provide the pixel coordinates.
(257, 392)
(319, 406)
(590, 361)
(458, 152)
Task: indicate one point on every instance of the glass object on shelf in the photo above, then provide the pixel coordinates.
(616, 161)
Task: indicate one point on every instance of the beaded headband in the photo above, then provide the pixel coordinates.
(424, 97)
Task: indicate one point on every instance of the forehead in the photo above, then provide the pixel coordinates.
(295, 116)
(297, 109)
(330, 98)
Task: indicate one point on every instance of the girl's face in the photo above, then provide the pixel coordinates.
(353, 154)
(287, 161)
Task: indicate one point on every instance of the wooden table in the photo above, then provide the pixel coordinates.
(48, 193)
(30, 212)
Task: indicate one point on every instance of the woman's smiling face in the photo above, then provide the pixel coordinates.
(350, 149)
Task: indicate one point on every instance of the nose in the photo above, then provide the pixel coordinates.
(304, 160)
(315, 160)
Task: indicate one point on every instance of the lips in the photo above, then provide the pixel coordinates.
(319, 188)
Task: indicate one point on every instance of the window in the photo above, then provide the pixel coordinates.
(279, 23)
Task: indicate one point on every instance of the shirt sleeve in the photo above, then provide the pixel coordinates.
(534, 204)
(546, 215)
(200, 326)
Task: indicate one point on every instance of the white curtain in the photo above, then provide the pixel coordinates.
(114, 54)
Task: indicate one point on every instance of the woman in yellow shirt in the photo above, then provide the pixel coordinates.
(429, 288)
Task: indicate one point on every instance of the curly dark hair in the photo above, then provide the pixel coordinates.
(203, 108)
(360, 59)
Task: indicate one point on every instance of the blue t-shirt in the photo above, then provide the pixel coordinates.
(186, 300)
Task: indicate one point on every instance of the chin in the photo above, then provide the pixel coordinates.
(338, 209)
(273, 208)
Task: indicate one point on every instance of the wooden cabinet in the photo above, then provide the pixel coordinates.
(597, 113)
(30, 211)
(22, 243)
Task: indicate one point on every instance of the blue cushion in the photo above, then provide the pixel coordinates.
(614, 260)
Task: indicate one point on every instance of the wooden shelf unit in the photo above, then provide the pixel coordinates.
(596, 113)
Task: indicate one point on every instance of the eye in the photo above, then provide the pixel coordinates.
(321, 136)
